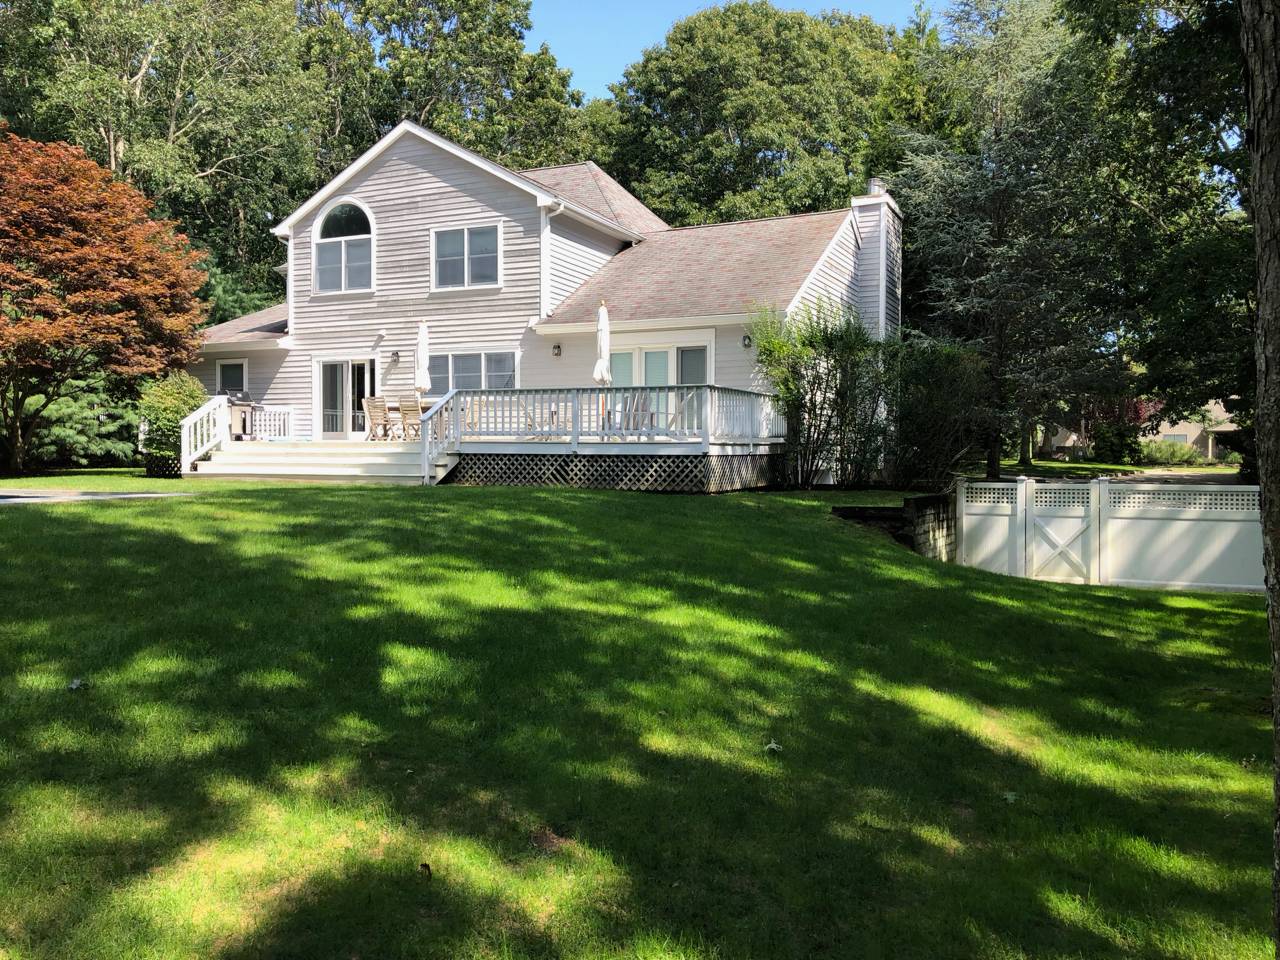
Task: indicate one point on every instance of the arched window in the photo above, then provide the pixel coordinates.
(344, 250)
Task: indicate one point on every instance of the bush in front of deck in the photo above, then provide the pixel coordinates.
(165, 404)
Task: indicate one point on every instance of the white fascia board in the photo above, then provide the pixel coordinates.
(541, 196)
(826, 252)
(236, 347)
(873, 198)
(594, 219)
(548, 328)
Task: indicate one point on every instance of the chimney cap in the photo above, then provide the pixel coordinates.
(876, 187)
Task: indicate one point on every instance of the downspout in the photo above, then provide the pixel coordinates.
(544, 287)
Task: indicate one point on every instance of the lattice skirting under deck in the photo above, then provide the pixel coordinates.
(703, 473)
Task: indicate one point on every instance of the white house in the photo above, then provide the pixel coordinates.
(505, 271)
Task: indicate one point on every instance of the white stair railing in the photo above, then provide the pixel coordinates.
(440, 428)
(204, 429)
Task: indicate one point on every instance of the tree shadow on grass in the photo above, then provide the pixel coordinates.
(560, 699)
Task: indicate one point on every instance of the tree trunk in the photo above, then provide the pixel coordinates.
(995, 446)
(1024, 445)
(1260, 38)
(16, 447)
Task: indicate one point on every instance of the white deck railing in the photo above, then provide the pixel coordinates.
(204, 429)
(272, 423)
(705, 414)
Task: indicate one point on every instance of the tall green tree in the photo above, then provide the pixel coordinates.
(917, 97)
(359, 103)
(204, 105)
(460, 68)
(748, 111)
(998, 219)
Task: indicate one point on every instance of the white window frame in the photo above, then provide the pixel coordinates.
(372, 236)
(318, 359)
(638, 344)
(484, 352)
(217, 372)
(466, 229)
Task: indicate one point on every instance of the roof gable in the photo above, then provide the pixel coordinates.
(540, 194)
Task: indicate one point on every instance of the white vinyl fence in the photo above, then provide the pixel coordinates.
(1128, 534)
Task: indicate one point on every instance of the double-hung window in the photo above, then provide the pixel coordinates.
(472, 371)
(467, 257)
(231, 375)
(344, 251)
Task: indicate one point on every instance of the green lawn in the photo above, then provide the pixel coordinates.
(560, 700)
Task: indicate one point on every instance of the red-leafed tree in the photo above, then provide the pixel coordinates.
(91, 288)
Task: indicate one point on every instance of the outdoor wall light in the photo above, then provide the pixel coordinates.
(555, 349)
(395, 356)
(746, 341)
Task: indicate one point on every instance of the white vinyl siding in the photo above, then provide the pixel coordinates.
(411, 189)
(733, 365)
(270, 374)
(577, 251)
(868, 220)
(835, 278)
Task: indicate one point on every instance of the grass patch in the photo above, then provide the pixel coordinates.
(560, 701)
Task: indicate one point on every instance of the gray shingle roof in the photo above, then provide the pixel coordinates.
(588, 185)
(706, 271)
(267, 324)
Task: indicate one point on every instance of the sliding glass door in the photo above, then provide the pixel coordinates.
(343, 386)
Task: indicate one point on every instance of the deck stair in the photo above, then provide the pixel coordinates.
(351, 461)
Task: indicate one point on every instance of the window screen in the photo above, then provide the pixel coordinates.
(438, 368)
(467, 371)
(500, 371)
(451, 258)
(482, 255)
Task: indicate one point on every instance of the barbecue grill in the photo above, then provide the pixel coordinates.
(240, 406)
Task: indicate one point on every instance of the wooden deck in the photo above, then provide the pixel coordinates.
(695, 438)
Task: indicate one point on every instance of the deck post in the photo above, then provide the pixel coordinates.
(576, 413)
(707, 418)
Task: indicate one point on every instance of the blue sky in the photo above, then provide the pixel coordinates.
(597, 40)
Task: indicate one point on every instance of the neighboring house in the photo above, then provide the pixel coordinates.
(507, 270)
(1201, 434)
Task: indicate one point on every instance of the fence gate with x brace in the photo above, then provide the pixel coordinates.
(1193, 536)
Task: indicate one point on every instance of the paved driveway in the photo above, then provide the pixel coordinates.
(1180, 476)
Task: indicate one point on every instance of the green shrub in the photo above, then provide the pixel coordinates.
(1233, 459)
(907, 413)
(1169, 453)
(165, 404)
(833, 383)
(1116, 442)
(941, 410)
(91, 425)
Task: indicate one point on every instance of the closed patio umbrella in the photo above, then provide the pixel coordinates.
(422, 366)
(602, 374)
